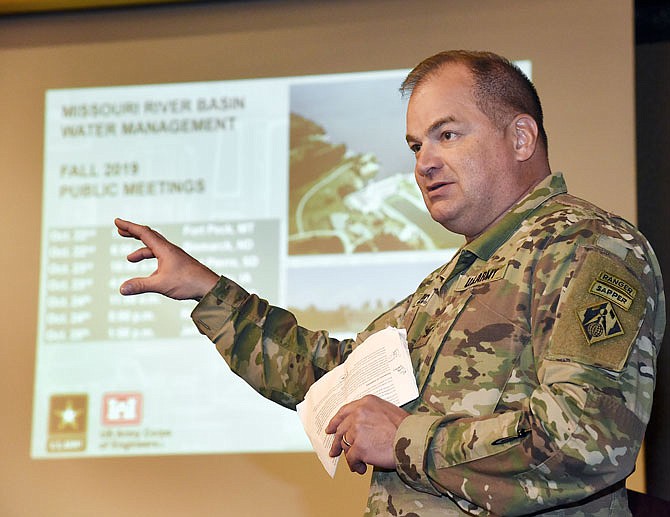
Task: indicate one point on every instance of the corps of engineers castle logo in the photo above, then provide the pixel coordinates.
(122, 409)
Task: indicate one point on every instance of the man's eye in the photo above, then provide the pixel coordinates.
(448, 135)
(415, 148)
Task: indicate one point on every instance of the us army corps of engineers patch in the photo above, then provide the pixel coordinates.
(599, 322)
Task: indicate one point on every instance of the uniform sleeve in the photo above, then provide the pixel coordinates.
(596, 323)
(265, 346)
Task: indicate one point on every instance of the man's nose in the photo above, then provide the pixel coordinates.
(428, 160)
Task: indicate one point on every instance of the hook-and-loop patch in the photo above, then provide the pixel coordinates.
(600, 313)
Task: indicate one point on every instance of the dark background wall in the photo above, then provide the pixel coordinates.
(652, 56)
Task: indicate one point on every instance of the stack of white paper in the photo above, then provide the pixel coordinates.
(380, 366)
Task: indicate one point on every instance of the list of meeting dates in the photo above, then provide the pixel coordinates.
(85, 267)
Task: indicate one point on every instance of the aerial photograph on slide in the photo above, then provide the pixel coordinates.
(359, 235)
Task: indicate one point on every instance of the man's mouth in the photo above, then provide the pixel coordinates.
(436, 186)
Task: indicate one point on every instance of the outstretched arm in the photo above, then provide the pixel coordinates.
(177, 275)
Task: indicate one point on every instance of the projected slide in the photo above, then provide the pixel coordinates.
(300, 189)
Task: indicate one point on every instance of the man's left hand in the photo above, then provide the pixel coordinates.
(369, 425)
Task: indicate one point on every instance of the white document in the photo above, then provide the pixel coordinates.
(380, 366)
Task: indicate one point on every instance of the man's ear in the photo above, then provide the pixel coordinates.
(524, 136)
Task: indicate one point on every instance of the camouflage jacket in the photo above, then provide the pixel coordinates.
(534, 350)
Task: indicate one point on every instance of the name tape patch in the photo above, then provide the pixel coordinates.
(489, 275)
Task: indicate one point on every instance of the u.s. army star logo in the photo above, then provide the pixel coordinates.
(599, 322)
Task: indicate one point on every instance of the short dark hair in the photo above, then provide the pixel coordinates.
(501, 90)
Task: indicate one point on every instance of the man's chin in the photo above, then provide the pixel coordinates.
(443, 216)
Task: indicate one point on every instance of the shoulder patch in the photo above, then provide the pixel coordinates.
(600, 313)
(614, 289)
(599, 322)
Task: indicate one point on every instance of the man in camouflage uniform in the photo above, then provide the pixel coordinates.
(534, 349)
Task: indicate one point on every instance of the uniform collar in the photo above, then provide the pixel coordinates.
(485, 245)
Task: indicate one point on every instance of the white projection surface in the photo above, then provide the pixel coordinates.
(299, 188)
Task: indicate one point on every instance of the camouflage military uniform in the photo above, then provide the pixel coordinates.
(534, 351)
